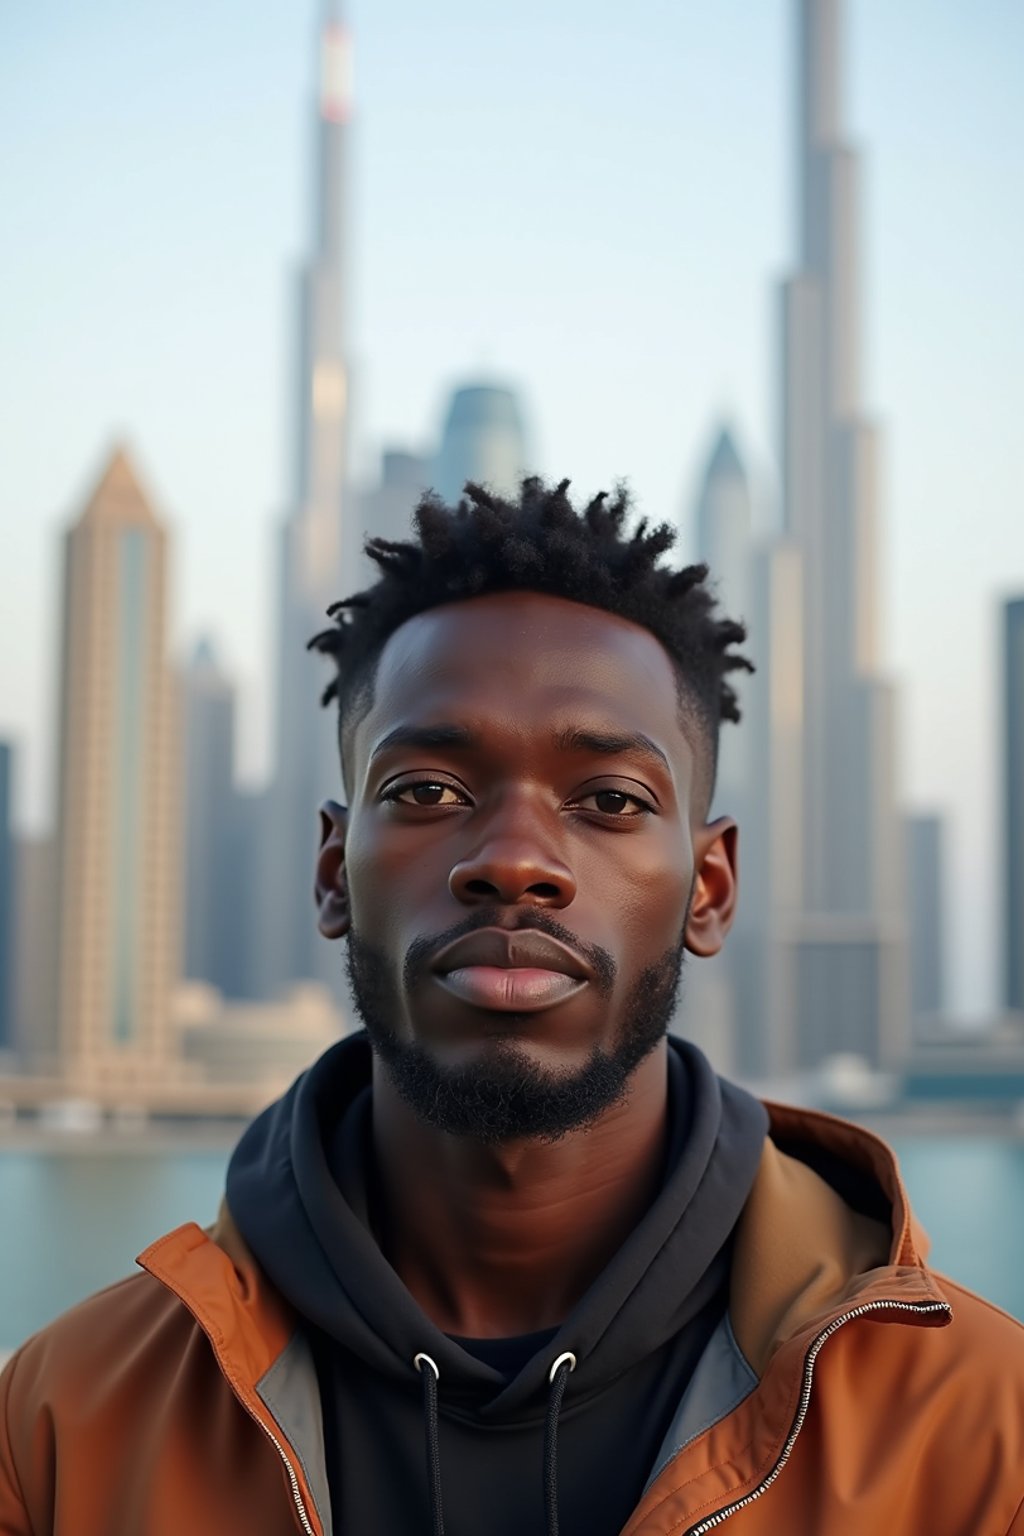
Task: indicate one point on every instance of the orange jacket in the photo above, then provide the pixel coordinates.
(878, 1399)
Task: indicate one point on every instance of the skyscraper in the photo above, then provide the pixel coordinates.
(925, 890)
(724, 541)
(726, 988)
(210, 871)
(315, 542)
(771, 844)
(35, 978)
(118, 772)
(1013, 792)
(482, 440)
(846, 946)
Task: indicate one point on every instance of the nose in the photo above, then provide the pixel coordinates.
(513, 866)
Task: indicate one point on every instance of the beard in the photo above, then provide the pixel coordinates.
(508, 1097)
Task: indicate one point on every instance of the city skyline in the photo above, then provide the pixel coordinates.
(939, 695)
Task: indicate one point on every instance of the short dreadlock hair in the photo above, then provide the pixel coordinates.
(541, 543)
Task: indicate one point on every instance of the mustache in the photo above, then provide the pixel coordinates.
(422, 951)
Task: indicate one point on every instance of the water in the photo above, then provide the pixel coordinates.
(78, 1218)
(73, 1219)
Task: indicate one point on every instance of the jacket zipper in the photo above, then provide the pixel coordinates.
(297, 1499)
(721, 1515)
(275, 1442)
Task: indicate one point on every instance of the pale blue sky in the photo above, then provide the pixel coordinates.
(593, 201)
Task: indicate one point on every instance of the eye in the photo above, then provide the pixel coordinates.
(427, 793)
(616, 803)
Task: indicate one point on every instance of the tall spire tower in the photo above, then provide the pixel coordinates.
(846, 980)
(321, 373)
(313, 538)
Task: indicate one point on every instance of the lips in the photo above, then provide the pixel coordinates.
(526, 949)
(520, 972)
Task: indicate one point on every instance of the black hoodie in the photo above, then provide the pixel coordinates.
(299, 1187)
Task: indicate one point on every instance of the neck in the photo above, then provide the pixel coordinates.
(495, 1241)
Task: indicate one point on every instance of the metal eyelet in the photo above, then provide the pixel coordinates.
(420, 1360)
(568, 1355)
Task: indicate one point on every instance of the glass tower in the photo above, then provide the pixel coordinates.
(117, 889)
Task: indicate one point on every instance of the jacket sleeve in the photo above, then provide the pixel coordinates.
(13, 1514)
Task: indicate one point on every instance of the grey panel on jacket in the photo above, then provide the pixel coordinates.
(722, 1379)
(291, 1391)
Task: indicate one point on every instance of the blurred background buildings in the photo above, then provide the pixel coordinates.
(161, 944)
(317, 539)
(117, 899)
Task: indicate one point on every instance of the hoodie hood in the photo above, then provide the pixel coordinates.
(299, 1189)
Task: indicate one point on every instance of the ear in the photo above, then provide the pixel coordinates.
(332, 903)
(713, 903)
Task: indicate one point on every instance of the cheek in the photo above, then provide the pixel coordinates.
(657, 911)
(648, 893)
(369, 882)
(384, 883)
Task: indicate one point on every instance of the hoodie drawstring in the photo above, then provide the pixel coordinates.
(557, 1377)
(431, 1376)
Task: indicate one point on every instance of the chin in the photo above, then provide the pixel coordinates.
(508, 1089)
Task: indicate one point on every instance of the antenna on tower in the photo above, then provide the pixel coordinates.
(335, 65)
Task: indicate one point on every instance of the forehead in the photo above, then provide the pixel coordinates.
(528, 656)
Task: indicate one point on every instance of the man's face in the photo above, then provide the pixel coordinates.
(519, 861)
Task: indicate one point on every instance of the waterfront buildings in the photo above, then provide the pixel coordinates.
(317, 553)
(265, 1043)
(483, 440)
(1012, 839)
(118, 891)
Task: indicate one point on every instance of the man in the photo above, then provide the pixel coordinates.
(513, 1261)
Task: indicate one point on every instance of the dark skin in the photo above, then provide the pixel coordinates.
(533, 809)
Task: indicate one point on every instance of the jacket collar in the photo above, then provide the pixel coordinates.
(217, 1278)
(802, 1255)
(804, 1264)
(249, 1327)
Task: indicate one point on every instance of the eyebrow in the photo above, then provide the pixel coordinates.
(572, 739)
(612, 744)
(426, 736)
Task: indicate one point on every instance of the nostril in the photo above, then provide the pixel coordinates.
(545, 890)
(481, 888)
